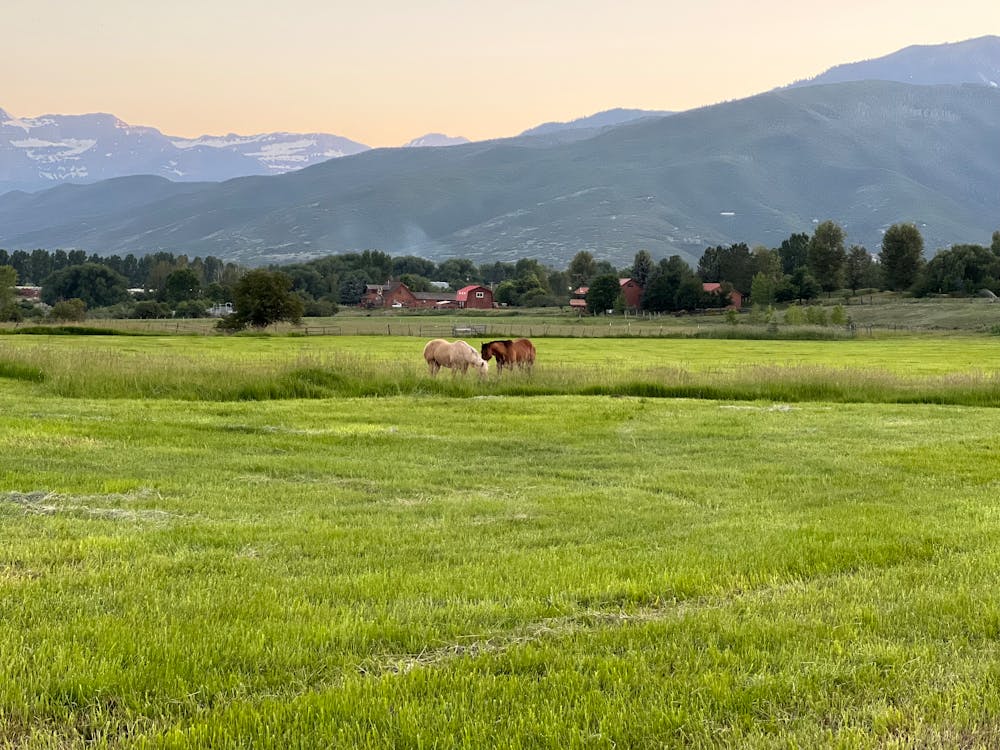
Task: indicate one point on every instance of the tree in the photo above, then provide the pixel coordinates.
(582, 268)
(995, 245)
(859, 268)
(8, 280)
(766, 261)
(794, 253)
(411, 264)
(264, 297)
(73, 310)
(95, 284)
(762, 289)
(415, 282)
(827, 256)
(603, 292)
(961, 269)
(458, 272)
(642, 268)
(180, 286)
(804, 284)
(733, 264)
(902, 255)
(660, 294)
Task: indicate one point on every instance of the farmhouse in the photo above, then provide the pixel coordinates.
(397, 294)
(735, 298)
(631, 293)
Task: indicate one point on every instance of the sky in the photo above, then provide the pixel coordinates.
(384, 72)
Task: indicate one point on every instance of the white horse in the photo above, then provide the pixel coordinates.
(459, 355)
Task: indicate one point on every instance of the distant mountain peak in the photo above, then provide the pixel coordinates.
(434, 140)
(971, 61)
(43, 151)
(607, 118)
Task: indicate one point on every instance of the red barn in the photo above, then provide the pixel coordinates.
(475, 297)
(632, 293)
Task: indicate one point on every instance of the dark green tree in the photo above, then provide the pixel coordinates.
(827, 256)
(794, 253)
(415, 282)
(858, 268)
(411, 264)
(458, 272)
(264, 297)
(8, 280)
(804, 284)
(582, 268)
(642, 268)
(95, 284)
(733, 264)
(180, 286)
(962, 269)
(902, 255)
(766, 261)
(691, 294)
(603, 293)
(660, 294)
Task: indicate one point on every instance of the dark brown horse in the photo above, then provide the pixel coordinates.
(520, 352)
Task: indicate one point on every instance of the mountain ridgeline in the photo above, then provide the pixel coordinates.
(865, 154)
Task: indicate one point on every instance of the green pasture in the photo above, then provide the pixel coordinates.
(959, 370)
(354, 554)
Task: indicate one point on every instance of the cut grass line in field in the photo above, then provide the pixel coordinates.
(591, 620)
(51, 503)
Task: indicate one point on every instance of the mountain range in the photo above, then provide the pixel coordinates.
(864, 153)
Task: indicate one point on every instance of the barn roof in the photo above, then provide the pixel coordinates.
(443, 296)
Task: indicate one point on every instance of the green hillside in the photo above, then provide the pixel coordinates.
(866, 155)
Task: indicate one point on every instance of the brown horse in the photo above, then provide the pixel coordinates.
(520, 352)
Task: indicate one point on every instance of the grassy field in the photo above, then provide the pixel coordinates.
(877, 314)
(278, 542)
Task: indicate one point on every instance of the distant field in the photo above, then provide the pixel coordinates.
(877, 314)
(285, 542)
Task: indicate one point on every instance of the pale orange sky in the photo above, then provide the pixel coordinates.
(383, 73)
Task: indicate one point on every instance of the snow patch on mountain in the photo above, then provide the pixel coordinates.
(54, 151)
(436, 140)
(37, 151)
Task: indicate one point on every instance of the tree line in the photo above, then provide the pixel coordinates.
(801, 268)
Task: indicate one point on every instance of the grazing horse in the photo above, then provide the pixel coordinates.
(520, 352)
(459, 355)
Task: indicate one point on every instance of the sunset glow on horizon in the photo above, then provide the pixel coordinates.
(384, 73)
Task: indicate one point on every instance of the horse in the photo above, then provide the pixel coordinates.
(458, 356)
(520, 352)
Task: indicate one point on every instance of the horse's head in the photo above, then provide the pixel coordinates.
(486, 350)
(482, 367)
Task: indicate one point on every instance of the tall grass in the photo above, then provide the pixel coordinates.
(145, 371)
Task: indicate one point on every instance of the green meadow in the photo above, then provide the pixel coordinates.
(307, 542)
